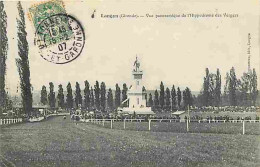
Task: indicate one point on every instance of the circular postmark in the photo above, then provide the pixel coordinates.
(60, 38)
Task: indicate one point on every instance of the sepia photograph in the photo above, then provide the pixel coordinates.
(135, 83)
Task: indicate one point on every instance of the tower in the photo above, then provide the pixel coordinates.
(136, 96)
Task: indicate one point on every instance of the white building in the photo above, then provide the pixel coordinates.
(136, 102)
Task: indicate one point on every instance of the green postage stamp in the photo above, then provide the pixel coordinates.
(58, 29)
(59, 36)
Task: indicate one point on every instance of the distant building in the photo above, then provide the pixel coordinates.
(136, 102)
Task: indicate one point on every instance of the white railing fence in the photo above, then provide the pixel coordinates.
(10, 121)
(149, 121)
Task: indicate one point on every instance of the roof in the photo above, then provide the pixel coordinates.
(178, 112)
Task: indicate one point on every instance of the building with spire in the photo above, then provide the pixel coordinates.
(136, 101)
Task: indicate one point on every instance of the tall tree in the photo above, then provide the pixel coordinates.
(244, 89)
(124, 94)
(97, 95)
(51, 96)
(3, 53)
(60, 97)
(78, 97)
(173, 98)
(179, 97)
(187, 97)
(162, 96)
(254, 87)
(232, 87)
(206, 89)
(103, 96)
(92, 99)
(117, 96)
(167, 99)
(110, 100)
(150, 101)
(69, 99)
(44, 98)
(145, 94)
(156, 100)
(87, 96)
(217, 91)
(226, 90)
(23, 62)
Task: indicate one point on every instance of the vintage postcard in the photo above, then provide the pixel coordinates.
(129, 83)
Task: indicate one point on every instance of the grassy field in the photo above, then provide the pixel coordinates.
(58, 142)
(233, 115)
(194, 127)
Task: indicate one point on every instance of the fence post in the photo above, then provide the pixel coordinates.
(111, 126)
(209, 120)
(199, 121)
(187, 125)
(243, 127)
(124, 123)
(149, 124)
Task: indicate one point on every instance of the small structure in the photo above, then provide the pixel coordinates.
(180, 114)
(136, 102)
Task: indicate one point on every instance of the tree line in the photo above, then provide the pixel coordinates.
(95, 97)
(170, 100)
(99, 98)
(237, 92)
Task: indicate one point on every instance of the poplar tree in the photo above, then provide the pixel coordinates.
(232, 87)
(156, 100)
(187, 98)
(117, 96)
(167, 99)
(69, 98)
(3, 53)
(60, 97)
(162, 96)
(44, 95)
(78, 97)
(87, 96)
(173, 97)
(97, 95)
(103, 96)
(110, 100)
(23, 62)
(179, 97)
(206, 87)
(92, 99)
(217, 93)
(244, 89)
(51, 95)
(145, 94)
(150, 101)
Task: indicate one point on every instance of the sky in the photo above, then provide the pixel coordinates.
(175, 51)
